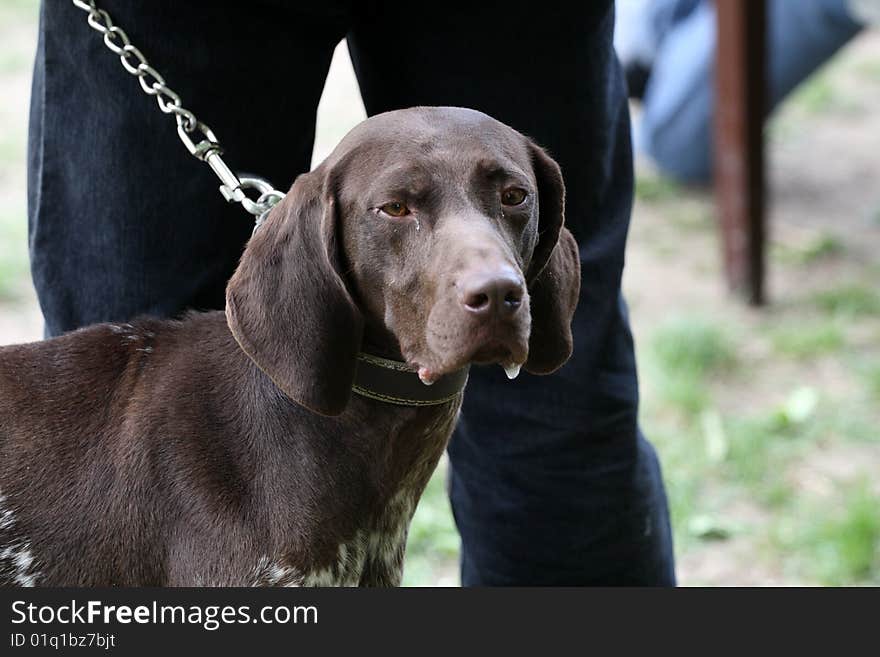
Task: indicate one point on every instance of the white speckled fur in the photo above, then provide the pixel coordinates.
(6, 517)
(382, 547)
(16, 559)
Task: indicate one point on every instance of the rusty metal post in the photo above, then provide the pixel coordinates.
(741, 101)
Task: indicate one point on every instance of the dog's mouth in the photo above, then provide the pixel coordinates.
(494, 352)
(501, 354)
(509, 354)
(452, 341)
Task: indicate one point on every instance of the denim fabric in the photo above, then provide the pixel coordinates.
(676, 126)
(551, 481)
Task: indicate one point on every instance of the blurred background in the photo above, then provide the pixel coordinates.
(767, 419)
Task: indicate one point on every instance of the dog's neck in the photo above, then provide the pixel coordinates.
(379, 341)
(368, 456)
(382, 375)
(407, 439)
(395, 382)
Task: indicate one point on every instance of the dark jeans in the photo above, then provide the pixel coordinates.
(551, 480)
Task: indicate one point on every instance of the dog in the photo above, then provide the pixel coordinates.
(287, 440)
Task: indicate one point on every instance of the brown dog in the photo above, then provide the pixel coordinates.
(229, 449)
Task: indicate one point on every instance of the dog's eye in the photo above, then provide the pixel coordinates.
(513, 196)
(395, 209)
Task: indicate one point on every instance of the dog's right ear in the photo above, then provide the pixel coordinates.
(288, 305)
(554, 273)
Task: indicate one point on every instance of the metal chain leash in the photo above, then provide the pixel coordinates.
(198, 138)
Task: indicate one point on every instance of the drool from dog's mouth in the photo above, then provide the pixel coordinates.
(498, 353)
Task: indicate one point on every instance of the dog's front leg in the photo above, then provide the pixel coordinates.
(387, 544)
(384, 567)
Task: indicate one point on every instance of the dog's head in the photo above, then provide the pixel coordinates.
(437, 231)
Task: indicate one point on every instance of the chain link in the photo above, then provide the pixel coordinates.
(198, 138)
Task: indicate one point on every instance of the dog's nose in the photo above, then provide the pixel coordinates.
(490, 293)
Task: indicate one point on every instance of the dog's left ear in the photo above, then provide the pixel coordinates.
(554, 273)
(288, 305)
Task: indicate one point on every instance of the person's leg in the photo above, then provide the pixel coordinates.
(641, 25)
(550, 483)
(123, 221)
(638, 32)
(676, 126)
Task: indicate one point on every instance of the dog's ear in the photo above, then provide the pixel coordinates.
(551, 208)
(288, 305)
(554, 273)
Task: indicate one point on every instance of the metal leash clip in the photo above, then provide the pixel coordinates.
(233, 187)
(268, 199)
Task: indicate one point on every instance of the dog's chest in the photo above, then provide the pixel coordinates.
(373, 556)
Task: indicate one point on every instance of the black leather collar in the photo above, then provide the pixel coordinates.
(394, 382)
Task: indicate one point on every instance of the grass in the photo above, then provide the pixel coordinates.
(835, 542)
(818, 248)
(681, 356)
(715, 463)
(762, 443)
(808, 340)
(820, 94)
(750, 459)
(693, 347)
(869, 70)
(852, 300)
(684, 352)
(719, 462)
(433, 544)
(652, 188)
(816, 95)
(872, 380)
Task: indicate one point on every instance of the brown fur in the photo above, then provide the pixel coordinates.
(190, 452)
